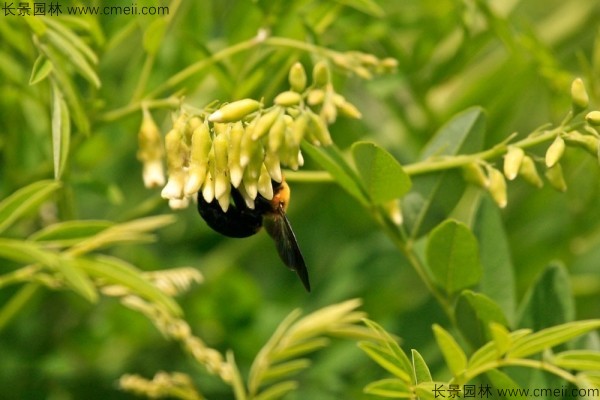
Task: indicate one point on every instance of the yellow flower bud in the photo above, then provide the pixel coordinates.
(555, 151)
(556, 178)
(233, 157)
(299, 129)
(288, 99)
(297, 77)
(586, 142)
(273, 165)
(265, 188)
(319, 130)
(512, 162)
(224, 199)
(346, 108)
(473, 173)
(265, 122)
(150, 152)
(497, 187)
(528, 171)
(321, 74)
(248, 146)
(208, 189)
(220, 150)
(201, 145)
(579, 96)
(276, 135)
(235, 111)
(315, 97)
(593, 118)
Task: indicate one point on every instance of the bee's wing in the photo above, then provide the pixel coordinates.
(278, 226)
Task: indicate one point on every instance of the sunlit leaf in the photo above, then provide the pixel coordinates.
(119, 272)
(61, 131)
(453, 256)
(490, 351)
(75, 56)
(154, 34)
(285, 369)
(68, 233)
(77, 279)
(41, 69)
(421, 369)
(550, 337)
(581, 360)
(389, 388)
(385, 359)
(454, 355)
(25, 201)
(277, 391)
(382, 175)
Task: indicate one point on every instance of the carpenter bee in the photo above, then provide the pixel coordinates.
(240, 221)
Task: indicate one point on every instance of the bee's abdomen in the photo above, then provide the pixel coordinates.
(237, 222)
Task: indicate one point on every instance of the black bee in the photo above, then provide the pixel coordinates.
(241, 221)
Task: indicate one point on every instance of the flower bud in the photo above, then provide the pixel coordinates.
(586, 142)
(288, 99)
(473, 173)
(235, 111)
(265, 188)
(265, 122)
(328, 111)
(555, 151)
(224, 199)
(394, 211)
(233, 157)
(497, 187)
(556, 178)
(297, 78)
(579, 96)
(315, 97)
(299, 129)
(319, 130)
(273, 165)
(150, 152)
(208, 189)
(321, 74)
(593, 118)
(276, 135)
(248, 146)
(346, 108)
(222, 183)
(529, 173)
(201, 145)
(179, 204)
(512, 162)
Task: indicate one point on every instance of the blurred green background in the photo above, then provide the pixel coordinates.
(517, 62)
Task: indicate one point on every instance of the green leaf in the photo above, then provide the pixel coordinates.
(580, 360)
(304, 347)
(277, 391)
(74, 39)
(502, 381)
(154, 34)
(433, 196)
(61, 131)
(24, 201)
(330, 159)
(284, 369)
(382, 175)
(41, 69)
(77, 280)
(454, 355)
(382, 356)
(75, 57)
(497, 281)
(550, 337)
(366, 6)
(453, 256)
(421, 369)
(391, 388)
(391, 347)
(24, 252)
(549, 301)
(69, 233)
(491, 351)
(119, 272)
(474, 312)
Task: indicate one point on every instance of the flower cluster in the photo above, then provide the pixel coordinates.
(518, 163)
(242, 144)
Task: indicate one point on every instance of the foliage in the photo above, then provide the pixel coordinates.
(478, 246)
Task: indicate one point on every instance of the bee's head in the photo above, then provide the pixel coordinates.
(281, 196)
